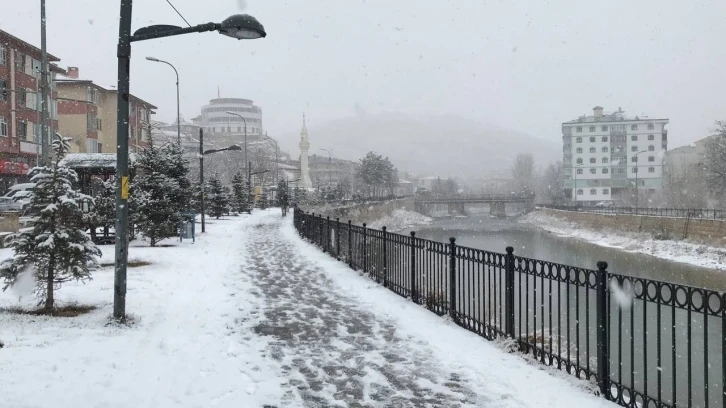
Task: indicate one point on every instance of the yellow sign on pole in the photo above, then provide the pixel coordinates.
(258, 191)
(125, 187)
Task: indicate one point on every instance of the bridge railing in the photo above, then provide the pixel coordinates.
(701, 213)
(474, 197)
(643, 342)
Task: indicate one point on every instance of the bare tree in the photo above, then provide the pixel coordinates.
(549, 187)
(715, 162)
(523, 172)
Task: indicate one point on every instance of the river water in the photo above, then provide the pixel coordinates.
(666, 352)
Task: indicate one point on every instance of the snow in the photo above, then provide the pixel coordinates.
(498, 378)
(678, 251)
(92, 160)
(194, 338)
(182, 349)
(399, 220)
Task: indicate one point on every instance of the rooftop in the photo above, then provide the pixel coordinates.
(599, 116)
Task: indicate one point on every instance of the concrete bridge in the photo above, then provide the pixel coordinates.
(457, 203)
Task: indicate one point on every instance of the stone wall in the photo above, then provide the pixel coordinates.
(708, 232)
(369, 212)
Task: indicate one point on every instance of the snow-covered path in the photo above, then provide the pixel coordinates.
(341, 340)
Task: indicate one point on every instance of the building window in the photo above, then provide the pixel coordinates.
(3, 90)
(634, 170)
(592, 128)
(651, 126)
(3, 126)
(619, 149)
(651, 158)
(606, 191)
(664, 137)
(593, 150)
(651, 148)
(651, 169)
(604, 138)
(20, 62)
(604, 159)
(579, 191)
(20, 97)
(605, 170)
(578, 129)
(605, 149)
(239, 128)
(98, 125)
(578, 140)
(3, 55)
(579, 150)
(634, 127)
(634, 138)
(651, 137)
(634, 149)
(579, 160)
(593, 191)
(604, 128)
(592, 160)
(592, 139)
(634, 159)
(579, 171)
(593, 171)
(22, 129)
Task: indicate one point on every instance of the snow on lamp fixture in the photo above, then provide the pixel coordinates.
(242, 27)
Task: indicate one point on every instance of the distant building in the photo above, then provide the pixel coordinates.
(678, 160)
(88, 112)
(223, 128)
(327, 172)
(20, 107)
(404, 188)
(605, 153)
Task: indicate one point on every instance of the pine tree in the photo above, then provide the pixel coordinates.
(177, 168)
(103, 211)
(263, 197)
(240, 198)
(56, 250)
(156, 195)
(217, 198)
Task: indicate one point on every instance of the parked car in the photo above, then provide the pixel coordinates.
(16, 198)
(605, 204)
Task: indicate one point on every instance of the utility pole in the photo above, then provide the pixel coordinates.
(201, 173)
(44, 74)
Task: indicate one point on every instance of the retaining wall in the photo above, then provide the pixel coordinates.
(708, 232)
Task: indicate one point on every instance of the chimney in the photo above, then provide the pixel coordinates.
(72, 72)
(597, 112)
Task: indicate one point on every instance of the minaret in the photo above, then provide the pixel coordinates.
(305, 181)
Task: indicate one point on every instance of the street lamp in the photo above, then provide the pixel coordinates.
(636, 179)
(247, 164)
(178, 122)
(330, 164)
(203, 153)
(277, 157)
(240, 26)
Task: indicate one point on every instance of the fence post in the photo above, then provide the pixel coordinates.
(452, 278)
(320, 232)
(414, 295)
(311, 226)
(350, 245)
(337, 238)
(365, 250)
(603, 360)
(385, 258)
(509, 292)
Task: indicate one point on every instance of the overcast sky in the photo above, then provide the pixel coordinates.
(526, 66)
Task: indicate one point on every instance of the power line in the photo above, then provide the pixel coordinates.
(177, 12)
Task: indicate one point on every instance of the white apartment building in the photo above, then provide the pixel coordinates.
(608, 153)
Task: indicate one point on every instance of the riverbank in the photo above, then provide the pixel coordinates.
(400, 220)
(643, 243)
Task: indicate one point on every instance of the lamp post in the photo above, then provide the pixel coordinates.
(203, 153)
(240, 26)
(44, 76)
(330, 164)
(636, 179)
(247, 164)
(277, 157)
(178, 122)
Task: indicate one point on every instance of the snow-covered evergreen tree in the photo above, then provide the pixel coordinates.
(263, 197)
(240, 198)
(177, 168)
(217, 197)
(56, 249)
(156, 195)
(103, 210)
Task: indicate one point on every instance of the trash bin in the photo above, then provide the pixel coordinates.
(187, 226)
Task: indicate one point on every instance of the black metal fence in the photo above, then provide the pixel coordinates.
(702, 213)
(644, 343)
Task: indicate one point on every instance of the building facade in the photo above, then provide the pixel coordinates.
(607, 154)
(20, 107)
(226, 129)
(88, 112)
(328, 172)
